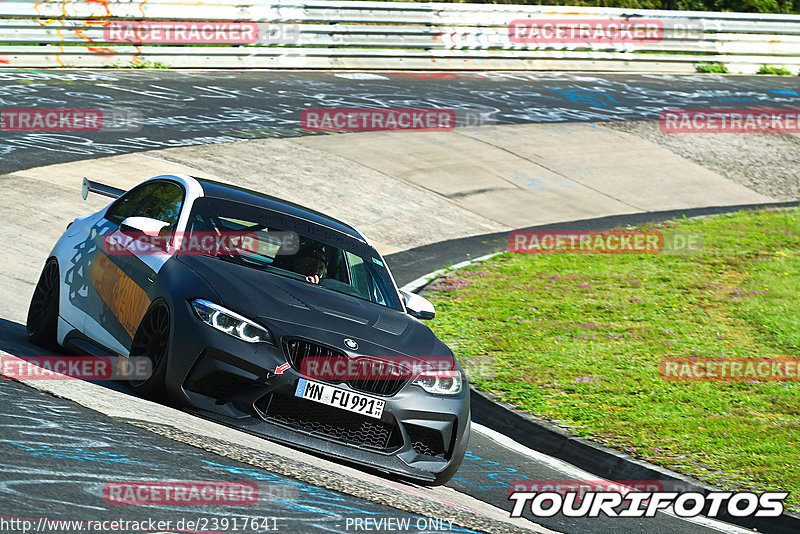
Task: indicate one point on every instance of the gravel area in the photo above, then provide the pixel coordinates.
(768, 163)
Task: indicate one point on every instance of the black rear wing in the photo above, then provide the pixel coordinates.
(101, 189)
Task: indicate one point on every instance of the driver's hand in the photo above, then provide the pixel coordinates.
(313, 279)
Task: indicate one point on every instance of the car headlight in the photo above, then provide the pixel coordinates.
(230, 322)
(440, 382)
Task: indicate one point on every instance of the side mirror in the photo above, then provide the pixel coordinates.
(142, 225)
(418, 306)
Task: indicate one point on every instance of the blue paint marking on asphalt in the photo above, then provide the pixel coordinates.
(783, 92)
(496, 474)
(266, 476)
(307, 490)
(79, 454)
(589, 97)
(317, 507)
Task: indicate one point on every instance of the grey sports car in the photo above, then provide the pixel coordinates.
(260, 314)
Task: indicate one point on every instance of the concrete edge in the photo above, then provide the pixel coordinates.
(440, 501)
(336, 481)
(420, 283)
(408, 264)
(548, 438)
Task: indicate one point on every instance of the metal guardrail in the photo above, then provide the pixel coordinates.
(330, 34)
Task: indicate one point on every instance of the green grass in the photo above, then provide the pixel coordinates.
(777, 71)
(712, 68)
(577, 339)
(144, 64)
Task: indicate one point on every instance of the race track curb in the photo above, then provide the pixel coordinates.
(547, 438)
(421, 262)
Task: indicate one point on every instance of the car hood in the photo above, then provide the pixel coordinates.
(292, 308)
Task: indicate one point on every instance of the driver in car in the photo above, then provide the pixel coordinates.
(311, 262)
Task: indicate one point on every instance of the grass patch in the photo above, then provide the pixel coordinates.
(711, 68)
(776, 71)
(144, 64)
(577, 339)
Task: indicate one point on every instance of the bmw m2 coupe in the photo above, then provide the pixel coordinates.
(260, 314)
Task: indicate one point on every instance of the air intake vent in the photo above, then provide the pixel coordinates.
(330, 423)
(392, 377)
(218, 385)
(426, 441)
(390, 325)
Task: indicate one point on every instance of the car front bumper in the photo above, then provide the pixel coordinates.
(249, 387)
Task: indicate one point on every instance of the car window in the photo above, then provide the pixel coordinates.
(164, 203)
(363, 280)
(156, 200)
(280, 244)
(130, 204)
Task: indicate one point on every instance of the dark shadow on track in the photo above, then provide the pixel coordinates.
(14, 340)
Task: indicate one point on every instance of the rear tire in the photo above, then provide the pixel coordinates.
(42, 321)
(152, 341)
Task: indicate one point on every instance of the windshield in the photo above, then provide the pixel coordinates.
(295, 248)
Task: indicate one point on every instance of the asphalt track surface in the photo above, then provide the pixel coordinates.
(189, 108)
(56, 455)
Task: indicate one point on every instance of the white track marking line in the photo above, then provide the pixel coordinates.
(579, 474)
(423, 280)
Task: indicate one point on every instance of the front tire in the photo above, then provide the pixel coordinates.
(152, 341)
(42, 320)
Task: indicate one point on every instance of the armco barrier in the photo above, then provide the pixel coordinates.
(328, 34)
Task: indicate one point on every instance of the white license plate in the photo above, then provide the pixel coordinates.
(339, 398)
